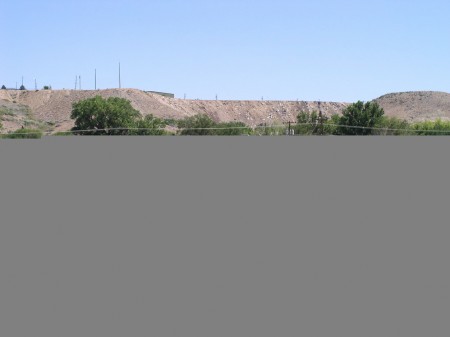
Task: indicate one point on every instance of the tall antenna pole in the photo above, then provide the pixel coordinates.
(120, 82)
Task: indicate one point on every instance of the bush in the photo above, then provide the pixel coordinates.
(63, 133)
(149, 126)
(47, 87)
(431, 128)
(24, 134)
(308, 123)
(198, 125)
(264, 130)
(232, 129)
(391, 126)
(3, 87)
(359, 118)
(22, 87)
(203, 125)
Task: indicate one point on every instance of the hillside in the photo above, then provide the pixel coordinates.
(51, 109)
(55, 106)
(417, 106)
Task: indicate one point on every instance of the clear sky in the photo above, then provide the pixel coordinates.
(239, 49)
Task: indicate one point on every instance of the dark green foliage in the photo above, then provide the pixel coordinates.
(22, 87)
(24, 134)
(198, 125)
(203, 125)
(149, 126)
(264, 130)
(47, 87)
(111, 116)
(232, 129)
(170, 121)
(308, 123)
(3, 87)
(431, 128)
(391, 126)
(358, 118)
(63, 133)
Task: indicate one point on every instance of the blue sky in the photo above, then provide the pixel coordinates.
(308, 50)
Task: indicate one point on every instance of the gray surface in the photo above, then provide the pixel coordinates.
(243, 236)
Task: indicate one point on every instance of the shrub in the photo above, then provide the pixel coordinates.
(391, 126)
(198, 125)
(24, 134)
(431, 128)
(149, 126)
(264, 130)
(22, 87)
(232, 129)
(3, 87)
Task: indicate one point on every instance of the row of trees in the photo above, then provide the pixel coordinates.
(116, 116)
(366, 119)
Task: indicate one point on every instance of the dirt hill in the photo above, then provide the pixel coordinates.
(417, 106)
(54, 107)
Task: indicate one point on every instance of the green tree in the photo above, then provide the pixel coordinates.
(198, 125)
(111, 116)
(358, 118)
(3, 87)
(22, 87)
